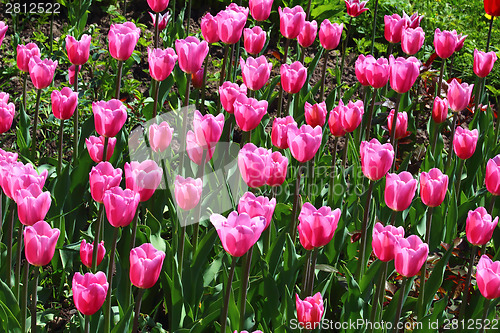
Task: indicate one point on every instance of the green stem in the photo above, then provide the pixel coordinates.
(344, 48)
(107, 313)
(184, 122)
(10, 235)
(394, 121)
(51, 32)
(87, 324)
(35, 124)
(96, 237)
(157, 31)
(486, 305)
(223, 69)
(229, 72)
(293, 225)
(118, 79)
(225, 309)
(244, 286)
(370, 116)
(24, 297)
(489, 34)
(450, 146)
(312, 269)
(333, 171)
(323, 74)
(134, 227)
(420, 305)
(400, 304)
(181, 249)
(305, 277)
(364, 230)
(18, 262)
(188, 10)
(374, 25)
(196, 229)
(492, 204)
(203, 86)
(379, 295)
(466, 292)
(393, 217)
(25, 84)
(105, 149)
(459, 180)
(308, 10)
(435, 139)
(344, 154)
(75, 119)
(34, 299)
(156, 91)
(440, 81)
(310, 178)
(59, 158)
(137, 310)
(280, 98)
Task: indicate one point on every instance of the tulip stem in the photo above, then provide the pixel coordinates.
(420, 302)
(87, 324)
(183, 152)
(196, 228)
(370, 116)
(374, 26)
(59, 158)
(203, 86)
(283, 61)
(312, 270)
(489, 35)
(36, 272)
(394, 122)
(344, 153)
(435, 139)
(188, 9)
(35, 124)
(440, 81)
(138, 303)
(25, 84)
(24, 297)
(305, 279)
(181, 248)
(364, 230)
(105, 149)
(486, 306)
(95, 245)
(379, 295)
(459, 180)
(118, 79)
(492, 204)
(223, 68)
(344, 49)
(244, 286)
(310, 178)
(400, 303)
(10, 235)
(393, 217)
(293, 225)
(225, 309)
(157, 34)
(107, 313)
(323, 74)
(466, 293)
(308, 11)
(134, 227)
(450, 147)
(18, 260)
(156, 88)
(333, 171)
(75, 119)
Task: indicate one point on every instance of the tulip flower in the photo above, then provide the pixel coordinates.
(360, 68)
(315, 114)
(433, 186)
(143, 178)
(89, 292)
(197, 78)
(409, 255)
(317, 226)
(279, 136)
(399, 190)
(492, 7)
(351, 115)
(440, 110)
(278, 165)
(445, 43)
(255, 72)
(207, 129)
(87, 251)
(158, 5)
(393, 27)
(19, 176)
(163, 19)
(195, 151)
(187, 192)
(8, 157)
(308, 33)
(254, 39)
(95, 147)
(160, 136)
(40, 243)
(403, 73)
(103, 177)
(376, 71)
(335, 121)
(293, 77)
(412, 40)
(120, 206)
(191, 53)
(239, 232)
(257, 206)
(64, 103)
(253, 163)
(330, 34)
(414, 20)
(492, 176)
(161, 63)
(210, 28)
(3, 31)
(7, 112)
(483, 62)
(145, 265)
(309, 311)
(488, 277)
(460, 41)
(401, 124)
(248, 112)
(41, 71)
(292, 21)
(228, 92)
(464, 142)
(230, 24)
(480, 226)
(109, 117)
(459, 95)
(72, 73)
(260, 9)
(385, 240)
(24, 54)
(376, 158)
(32, 204)
(78, 51)
(304, 142)
(355, 7)
(122, 40)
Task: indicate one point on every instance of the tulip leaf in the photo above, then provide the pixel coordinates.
(8, 320)
(436, 278)
(7, 297)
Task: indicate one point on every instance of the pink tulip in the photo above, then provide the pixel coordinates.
(279, 136)
(248, 112)
(17, 176)
(64, 103)
(191, 53)
(253, 163)
(120, 206)
(376, 158)
(228, 92)
(460, 41)
(293, 77)
(163, 19)
(414, 20)
(71, 74)
(254, 39)
(309, 311)
(32, 204)
(257, 206)
(464, 142)
(440, 110)
(399, 190)
(483, 62)
(335, 121)
(236, 8)
(433, 186)
(401, 124)
(158, 5)
(89, 292)
(7, 156)
(278, 165)
(122, 40)
(238, 233)
(351, 115)
(7, 112)
(87, 251)
(195, 151)
(260, 9)
(3, 31)
(109, 117)
(255, 72)
(360, 68)
(4, 97)
(412, 40)
(103, 177)
(330, 34)
(24, 54)
(40, 243)
(292, 21)
(210, 28)
(410, 255)
(376, 71)
(161, 63)
(355, 7)
(78, 51)
(308, 33)
(317, 226)
(41, 71)
(207, 129)
(315, 114)
(230, 24)
(187, 192)
(488, 277)
(145, 265)
(385, 240)
(480, 226)
(459, 95)
(403, 73)
(160, 136)
(393, 27)
(143, 178)
(304, 142)
(95, 147)
(445, 43)
(492, 176)
(197, 78)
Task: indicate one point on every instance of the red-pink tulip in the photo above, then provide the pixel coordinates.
(40, 243)
(143, 178)
(260, 9)
(71, 73)
(293, 77)
(488, 277)
(41, 71)
(403, 73)
(376, 158)
(335, 121)
(483, 62)
(253, 163)
(410, 255)
(360, 68)
(191, 53)
(32, 204)
(120, 205)
(160, 136)
(401, 124)
(7, 112)
(163, 19)
(24, 54)
(292, 21)
(248, 112)
(464, 142)
(78, 51)
(161, 63)
(207, 129)
(480, 226)
(238, 233)
(412, 40)
(187, 192)
(352, 114)
(459, 95)
(7, 156)
(330, 34)
(158, 5)
(64, 103)
(445, 43)
(197, 78)
(308, 33)
(278, 165)
(414, 20)
(492, 176)
(230, 24)
(228, 92)
(109, 117)
(89, 292)
(385, 239)
(17, 176)
(393, 27)
(279, 136)
(376, 71)
(255, 72)
(87, 251)
(440, 110)
(355, 7)
(145, 265)
(304, 142)
(315, 114)
(317, 226)
(257, 206)
(3, 31)
(399, 190)
(195, 150)
(102, 177)
(309, 311)
(433, 186)
(460, 42)
(254, 39)
(122, 40)
(95, 147)
(210, 28)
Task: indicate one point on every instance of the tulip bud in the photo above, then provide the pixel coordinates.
(308, 34)
(89, 292)
(385, 240)
(109, 117)
(41, 71)
(412, 40)
(120, 205)
(483, 62)
(292, 21)
(145, 265)
(464, 142)
(257, 206)
(248, 112)
(330, 34)
(355, 7)
(143, 178)
(95, 147)
(40, 243)
(393, 27)
(160, 136)
(459, 95)
(64, 103)
(260, 9)
(278, 165)
(492, 176)
(210, 28)
(254, 39)
(304, 142)
(255, 72)
(253, 163)
(228, 92)
(87, 252)
(480, 226)
(187, 192)
(191, 53)
(161, 63)
(122, 40)
(315, 114)
(102, 177)
(376, 158)
(401, 124)
(78, 51)
(279, 136)
(293, 77)
(433, 186)
(488, 276)
(24, 54)
(399, 190)
(445, 43)
(317, 226)
(309, 311)
(410, 255)
(440, 110)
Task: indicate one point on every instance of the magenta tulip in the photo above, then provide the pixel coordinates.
(109, 117)
(145, 265)
(95, 147)
(410, 255)
(228, 92)
(17, 176)
(488, 277)
(399, 190)
(308, 33)
(304, 142)
(414, 20)
(195, 150)
(255, 72)
(254, 40)
(309, 311)
(122, 40)
(315, 114)
(24, 54)
(445, 43)
(376, 158)
(355, 7)
(330, 34)
(163, 19)
(376, 71)
(412, 40)
(385, 240)
(161, 63)
(143, 178)
(279, 136)
(248, 112)
(191, 53)
(120, 206)
(460, 41)
(41, 71)
(351, 115)
(103, 177)
(260, 9)
(257, 206)
(89, 292)
(317, 226)
(403, 73)
(71, 73)
(7, 113)
(32, 204)
(360, 68)
(459, 95)
(87, 251)
(210, 28)
(433, 186)
(278, 165)
(401, 124)
(187, 192)
(3, 31)
(480, 226)
(335, 121)
(464, 142)
(40, 243)
(207, 129)
(292, 21)
(7, 156)
(293, 77)
(78, 51)
(393, 27)
(253, 163)
(483, 62)
(440, 110)
(160, 136)
(230, 24)
(64, 103)
(158, 5)
(492, 176)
